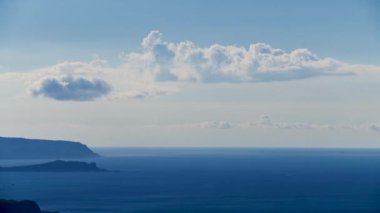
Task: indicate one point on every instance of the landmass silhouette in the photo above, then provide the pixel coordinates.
(22, 148)
(56, 166)
(25, 206)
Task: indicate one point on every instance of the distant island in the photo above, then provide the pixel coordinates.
(22, 148)
(56, 166)
(25, 206)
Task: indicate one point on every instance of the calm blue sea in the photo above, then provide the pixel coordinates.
(208, 180)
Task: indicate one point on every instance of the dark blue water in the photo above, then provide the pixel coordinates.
(209, 180)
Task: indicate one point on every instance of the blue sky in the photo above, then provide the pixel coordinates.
(148, 73)
(70, 30)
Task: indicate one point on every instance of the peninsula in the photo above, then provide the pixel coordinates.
(56, 166)
(22, 148)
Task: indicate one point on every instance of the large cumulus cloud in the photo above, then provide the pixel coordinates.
(184, 61)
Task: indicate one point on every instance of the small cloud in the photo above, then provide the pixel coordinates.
(206, 125)
(144, 92)
(374, 127)
(266, 122)
(152, 39)
(71, 89)
(215, 125)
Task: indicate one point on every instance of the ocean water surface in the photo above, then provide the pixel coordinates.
(207, 180)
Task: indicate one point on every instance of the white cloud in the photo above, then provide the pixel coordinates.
(146, 92)
(214, 125)
(87, 81)
(205, 125)
(146, 74)
(152, 39)
(184, 61)
(266, 122)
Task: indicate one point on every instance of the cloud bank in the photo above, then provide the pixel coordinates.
(212, 125)
(266, 122)
(147, 73)
(260, 62)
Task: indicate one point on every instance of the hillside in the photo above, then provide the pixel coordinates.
(22, 148)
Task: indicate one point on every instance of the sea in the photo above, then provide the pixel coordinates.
(207, 180)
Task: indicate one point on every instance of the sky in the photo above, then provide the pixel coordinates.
(191, 73)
